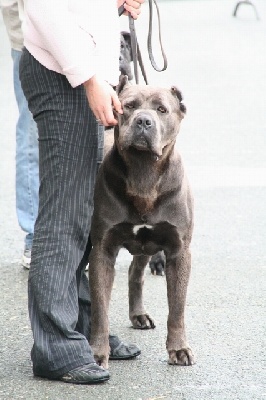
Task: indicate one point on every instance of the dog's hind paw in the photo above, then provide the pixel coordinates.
(157, 264)
(183, 357)
(143, 321)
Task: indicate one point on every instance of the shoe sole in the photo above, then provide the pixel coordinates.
(92, 382)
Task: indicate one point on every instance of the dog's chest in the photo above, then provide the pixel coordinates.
(144, 238)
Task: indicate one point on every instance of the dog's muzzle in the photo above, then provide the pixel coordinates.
(143, 131)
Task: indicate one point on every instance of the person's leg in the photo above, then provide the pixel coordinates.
(59, 301)
(27, 163)
(68, 161)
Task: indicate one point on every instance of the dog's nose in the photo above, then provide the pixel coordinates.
(144, 121)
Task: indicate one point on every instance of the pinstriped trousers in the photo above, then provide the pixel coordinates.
(70, 146)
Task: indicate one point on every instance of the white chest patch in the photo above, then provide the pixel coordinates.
(136, 228)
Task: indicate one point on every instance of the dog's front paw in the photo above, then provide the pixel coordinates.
(181, 357)
(143, 321)
(101, 357)
(102, 361)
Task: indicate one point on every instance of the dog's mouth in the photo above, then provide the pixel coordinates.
(143, 146)
(142, 141)
(138, 152)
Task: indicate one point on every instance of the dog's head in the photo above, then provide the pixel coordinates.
(125, 57)
(151, 118)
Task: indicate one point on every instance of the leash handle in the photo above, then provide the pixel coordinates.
(149, 44)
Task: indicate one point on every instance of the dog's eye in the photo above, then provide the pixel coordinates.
(129, 106)
(162, 109)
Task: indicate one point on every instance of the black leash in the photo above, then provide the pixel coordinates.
(135, 46)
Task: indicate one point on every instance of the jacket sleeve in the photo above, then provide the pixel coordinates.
(73, 47)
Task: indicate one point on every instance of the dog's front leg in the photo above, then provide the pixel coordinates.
(101, 277)
(177, 277)
(137, 314)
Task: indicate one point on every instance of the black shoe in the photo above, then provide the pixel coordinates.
(86, 374)
(122, 351)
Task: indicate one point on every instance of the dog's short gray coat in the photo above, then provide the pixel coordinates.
(143, 203)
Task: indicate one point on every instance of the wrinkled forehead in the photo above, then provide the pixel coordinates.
(141, 95)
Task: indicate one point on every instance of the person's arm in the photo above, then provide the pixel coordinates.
(75, 50)
(101, 97)
(71, 46)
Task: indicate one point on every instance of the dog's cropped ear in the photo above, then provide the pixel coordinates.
(127, 38)
(123, 82)
(178, 94)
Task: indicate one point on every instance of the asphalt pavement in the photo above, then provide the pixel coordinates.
(219, 63)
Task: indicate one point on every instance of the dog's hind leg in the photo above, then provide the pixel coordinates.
(137, 314)
(177, 273)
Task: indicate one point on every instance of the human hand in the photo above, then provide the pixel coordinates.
(102, 100)
(132, 7)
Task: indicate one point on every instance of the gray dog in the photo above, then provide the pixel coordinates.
(142, 203)
(126, 56)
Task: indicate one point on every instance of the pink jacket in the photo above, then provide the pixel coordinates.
(77, 38)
